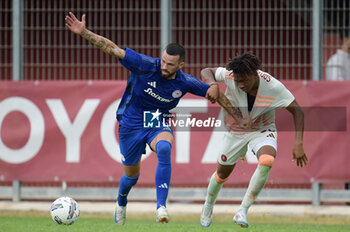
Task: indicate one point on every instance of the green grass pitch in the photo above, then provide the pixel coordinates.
(42, 222)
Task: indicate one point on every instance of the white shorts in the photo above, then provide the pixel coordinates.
(236, 145)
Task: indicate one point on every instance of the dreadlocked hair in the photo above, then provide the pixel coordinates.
(244, 65)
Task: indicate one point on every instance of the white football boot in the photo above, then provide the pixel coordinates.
(240, 218)
(207, 215)
(120, 215)
(162, 215)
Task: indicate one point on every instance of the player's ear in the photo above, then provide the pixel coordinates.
(181, 64)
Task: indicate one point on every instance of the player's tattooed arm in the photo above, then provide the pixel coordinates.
(79, 28)
(244, 123)
(104, 44)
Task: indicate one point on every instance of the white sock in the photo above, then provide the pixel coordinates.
(213, 190)
(256, 184)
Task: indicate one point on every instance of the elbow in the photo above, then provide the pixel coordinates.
(117, 52)
(298, 113)
(204, 72)
(295, 109)
(207, 75)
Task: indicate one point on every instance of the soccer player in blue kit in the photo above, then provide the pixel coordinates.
(154, 85)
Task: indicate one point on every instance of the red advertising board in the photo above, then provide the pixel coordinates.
(66, 130)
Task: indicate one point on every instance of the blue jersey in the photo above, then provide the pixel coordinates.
(147, 90)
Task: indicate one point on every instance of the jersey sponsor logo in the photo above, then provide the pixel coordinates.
(153, 84)
(156, 96)
(177, 93)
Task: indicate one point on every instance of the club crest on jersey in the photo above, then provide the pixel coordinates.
(177, 93)
(223, 158)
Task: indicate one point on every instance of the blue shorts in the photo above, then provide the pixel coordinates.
(132, 142)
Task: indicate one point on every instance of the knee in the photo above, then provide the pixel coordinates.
(266, 160)
(131, 181)
(163, 149)
(219, 179)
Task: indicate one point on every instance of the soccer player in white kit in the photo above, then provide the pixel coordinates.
(257, 95)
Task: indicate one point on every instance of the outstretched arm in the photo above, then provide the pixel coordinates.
(79, 28)
(214, 94)
(298, 117)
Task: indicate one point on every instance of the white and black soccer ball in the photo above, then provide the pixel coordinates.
(65, 211)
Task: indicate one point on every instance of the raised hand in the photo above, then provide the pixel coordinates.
(74, 24)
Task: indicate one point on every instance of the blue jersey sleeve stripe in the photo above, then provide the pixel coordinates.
(126, 99)
(197, 87)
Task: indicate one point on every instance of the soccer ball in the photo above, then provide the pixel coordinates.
(65, 210)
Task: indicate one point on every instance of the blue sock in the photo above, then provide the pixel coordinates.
(125, 185)
(163, 172)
